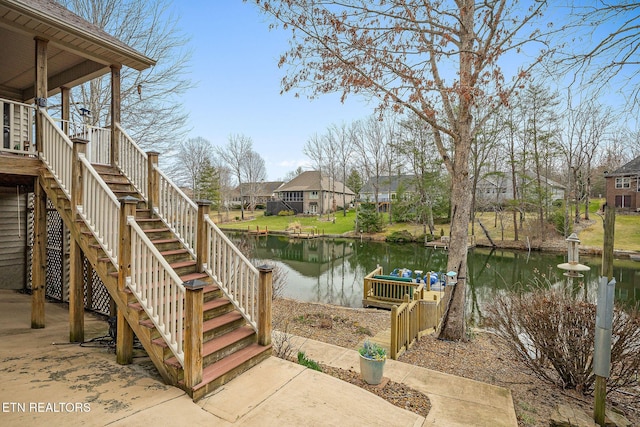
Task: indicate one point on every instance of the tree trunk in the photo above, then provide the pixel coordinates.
(453, 321)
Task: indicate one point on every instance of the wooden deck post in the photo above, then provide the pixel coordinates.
(39, 260)
(193, 333)
(124, 334)
(115, 114)
(65, 108)
(76, 294)
(76, 282)
(152, 180)
(393, 350)
(201, 236)
(79, 147)
(265, 292)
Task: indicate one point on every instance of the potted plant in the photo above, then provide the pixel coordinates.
(372, 358)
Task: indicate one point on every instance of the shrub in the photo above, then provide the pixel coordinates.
(402, 236)
(286, 213)
(557, 218)
(552, 332)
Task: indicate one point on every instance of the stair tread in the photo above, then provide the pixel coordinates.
(215, 303)
(208, 305)
(221, 320)
(156, 230)
(179, 264)
(207, 326)
(193, 276)
(174, 252)
(227, 364)
(218, 343)
(227, 339)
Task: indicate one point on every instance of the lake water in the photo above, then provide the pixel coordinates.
(331, 270)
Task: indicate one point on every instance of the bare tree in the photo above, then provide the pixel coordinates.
(616, 29)
(255, 173)
(437, 59)
(343, 135)
(234, 156)
(371, 144)
(314, 150)
(152, 112)
(192, 158)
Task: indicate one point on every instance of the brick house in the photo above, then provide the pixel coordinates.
(623, 186)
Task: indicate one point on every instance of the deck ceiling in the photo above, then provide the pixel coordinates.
(77, 51)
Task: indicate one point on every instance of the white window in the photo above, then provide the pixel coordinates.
(623, 182)
(313, 195)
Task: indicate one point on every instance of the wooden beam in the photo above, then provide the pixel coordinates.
(76, 294)
(153, 180)
(124, 338)
(115, 114)
(65, 95)
(265, 292)
(20, 165)
(71, 77)
(193, 345)
(39, 259)
(201, 234)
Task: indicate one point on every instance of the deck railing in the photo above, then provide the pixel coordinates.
(98, 140)
(232, 271)
(17, 127)
(132, 161)
(158, 289)
(177, 210)
(57, 153)
(100, 210)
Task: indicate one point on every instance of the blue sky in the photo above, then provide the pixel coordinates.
(235, 66)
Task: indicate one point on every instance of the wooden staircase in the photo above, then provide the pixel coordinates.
(230, 345)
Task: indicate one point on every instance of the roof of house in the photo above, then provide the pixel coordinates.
(389, 183)
(265, 189)
(77, 49)
(310, 181)
(630, 168)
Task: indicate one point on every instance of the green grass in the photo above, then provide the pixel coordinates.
(322, 224)
(627, 232)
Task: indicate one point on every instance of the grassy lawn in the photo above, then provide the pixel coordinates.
(322, 224)
(627, 233)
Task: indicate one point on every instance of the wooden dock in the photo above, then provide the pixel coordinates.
(258, 231)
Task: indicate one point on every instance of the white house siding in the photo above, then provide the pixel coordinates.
(13, 232)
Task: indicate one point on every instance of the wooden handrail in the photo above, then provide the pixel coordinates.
(56, 153)
(232, 272)
(157, 287)
(411, 320)
(177, 211)
(100, 209)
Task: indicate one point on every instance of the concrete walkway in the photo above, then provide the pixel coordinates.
(44, 380)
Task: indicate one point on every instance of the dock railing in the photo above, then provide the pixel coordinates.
(384, 292)
(411, 320)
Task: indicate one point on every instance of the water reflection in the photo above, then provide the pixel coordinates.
(331, 271)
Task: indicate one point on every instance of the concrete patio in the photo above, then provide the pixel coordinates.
(46, 380)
